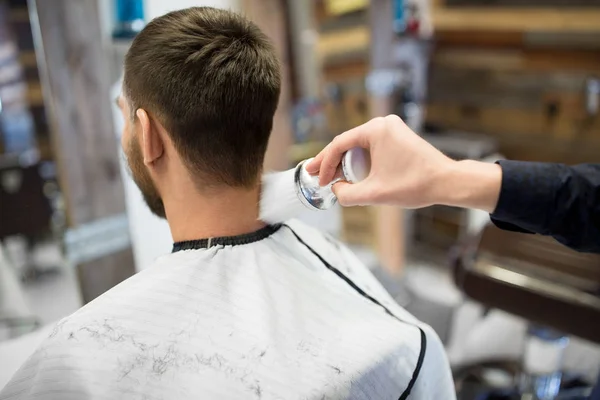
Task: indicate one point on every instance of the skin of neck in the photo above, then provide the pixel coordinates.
(216, 212)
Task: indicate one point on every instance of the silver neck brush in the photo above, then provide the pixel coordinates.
(288, 194)
(355, 166)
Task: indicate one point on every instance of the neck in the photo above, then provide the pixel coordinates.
(226, 212)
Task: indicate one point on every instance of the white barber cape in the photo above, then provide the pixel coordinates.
(283, 313)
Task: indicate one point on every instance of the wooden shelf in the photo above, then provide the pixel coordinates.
(339, 44)
(515, 19)
(338, 7)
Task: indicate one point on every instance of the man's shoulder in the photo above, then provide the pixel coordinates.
(324, 245)
(100, 317)
(339, 257)
(307, 233)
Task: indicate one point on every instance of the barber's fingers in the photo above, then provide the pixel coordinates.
(353, 194)
(327, 161)
(315, 164)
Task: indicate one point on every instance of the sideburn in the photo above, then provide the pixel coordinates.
(142, 179)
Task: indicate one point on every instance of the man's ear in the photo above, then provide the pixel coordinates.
(151, 142)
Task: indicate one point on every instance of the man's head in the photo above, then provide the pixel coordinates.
(200, 90)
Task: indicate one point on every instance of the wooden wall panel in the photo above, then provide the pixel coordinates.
(515, 19)
(382, 34)
(537, 95)
(492, 4)
(390, 232)
(269, 15)
(516, 58)
(498, 121)
(76, 90)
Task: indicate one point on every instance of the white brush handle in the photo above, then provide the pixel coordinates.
(356, 164)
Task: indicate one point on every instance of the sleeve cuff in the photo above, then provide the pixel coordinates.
(505, 226)
(526, 196)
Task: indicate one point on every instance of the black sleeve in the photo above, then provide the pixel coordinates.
(551, 199)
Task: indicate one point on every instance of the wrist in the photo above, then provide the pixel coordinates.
(470, 184)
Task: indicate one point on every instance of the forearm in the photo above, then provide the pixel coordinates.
(469, 184)
(549, 199)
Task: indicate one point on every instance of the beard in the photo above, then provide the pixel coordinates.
(140, 175)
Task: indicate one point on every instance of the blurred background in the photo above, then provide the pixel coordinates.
(480, 79)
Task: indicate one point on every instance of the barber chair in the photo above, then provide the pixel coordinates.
(542, 281)
(25, 210)
(27, 190)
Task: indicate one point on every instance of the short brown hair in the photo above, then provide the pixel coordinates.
(212, 78)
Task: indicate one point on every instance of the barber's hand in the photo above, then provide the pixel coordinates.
(405, 169)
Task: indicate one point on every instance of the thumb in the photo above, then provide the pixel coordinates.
(350, 194)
